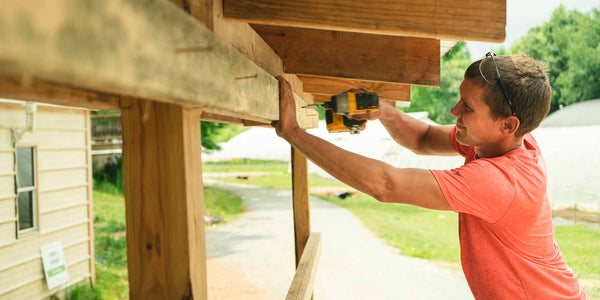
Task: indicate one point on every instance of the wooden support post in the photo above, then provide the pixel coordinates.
(301, 201)
(162, 173)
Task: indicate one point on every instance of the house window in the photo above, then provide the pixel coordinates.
(26, 190)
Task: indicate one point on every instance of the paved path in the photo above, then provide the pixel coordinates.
(253, 257)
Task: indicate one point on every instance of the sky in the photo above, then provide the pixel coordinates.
(521, 15)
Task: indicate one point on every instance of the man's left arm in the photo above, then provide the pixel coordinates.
(382, 181)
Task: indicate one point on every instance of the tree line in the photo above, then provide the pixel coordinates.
(568, 45)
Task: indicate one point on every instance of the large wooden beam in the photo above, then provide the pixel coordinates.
(443, 19)
(30, 89)
(148, 49)
(355, 55)
(324, 87)
(162, 173)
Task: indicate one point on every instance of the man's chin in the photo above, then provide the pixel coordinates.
(461, 138)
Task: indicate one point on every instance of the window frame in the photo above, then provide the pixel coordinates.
(33, 231)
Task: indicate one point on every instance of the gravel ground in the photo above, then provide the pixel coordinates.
(253, 256)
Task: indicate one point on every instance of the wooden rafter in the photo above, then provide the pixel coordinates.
(355, 55)
(443, 19)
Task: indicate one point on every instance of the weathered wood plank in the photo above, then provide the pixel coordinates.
(301, 203)
(443, 19)
(148, 49)
(324, 87)
(162, 173)
(355, 55)
(303, 282)
(30, 89)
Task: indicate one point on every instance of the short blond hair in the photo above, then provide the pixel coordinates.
(526, 84)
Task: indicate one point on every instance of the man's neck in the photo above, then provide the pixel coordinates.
(500, 148)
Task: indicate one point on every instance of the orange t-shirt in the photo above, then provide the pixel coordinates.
(505, 225)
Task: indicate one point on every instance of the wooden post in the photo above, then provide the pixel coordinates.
(301, 201)
(162, 173)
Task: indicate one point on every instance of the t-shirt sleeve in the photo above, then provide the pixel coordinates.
(461, 149)
(481, 188)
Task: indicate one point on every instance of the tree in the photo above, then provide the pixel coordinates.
(439, 101)
(569, 44)
(210, 132)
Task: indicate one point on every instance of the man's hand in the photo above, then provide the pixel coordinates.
(385, 110)
(287, 109)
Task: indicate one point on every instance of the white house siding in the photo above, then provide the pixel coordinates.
(61, 136)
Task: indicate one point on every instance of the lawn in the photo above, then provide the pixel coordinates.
(109, 233)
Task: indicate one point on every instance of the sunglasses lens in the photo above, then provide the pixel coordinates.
(487, 70)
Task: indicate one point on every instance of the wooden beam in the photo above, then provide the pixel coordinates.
(355, 55)
(32, 89)
(162, 174)
(147, 49)
(442, 19)
(324, 87)
(304, 279)
(301, 203)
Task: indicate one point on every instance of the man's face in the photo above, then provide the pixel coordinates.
(475, 126)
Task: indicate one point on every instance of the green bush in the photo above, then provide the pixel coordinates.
(111, 173)
(83, 292)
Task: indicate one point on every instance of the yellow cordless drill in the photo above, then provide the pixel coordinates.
(346, 104)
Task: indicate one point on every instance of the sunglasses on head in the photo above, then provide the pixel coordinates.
(498, 81)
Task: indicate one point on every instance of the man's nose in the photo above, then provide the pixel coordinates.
(455, 110)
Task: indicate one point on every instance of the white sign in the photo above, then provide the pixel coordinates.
(55, 268)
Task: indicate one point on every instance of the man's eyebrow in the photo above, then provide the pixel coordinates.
(465, 102)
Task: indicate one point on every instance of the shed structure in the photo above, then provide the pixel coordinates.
(169, 64)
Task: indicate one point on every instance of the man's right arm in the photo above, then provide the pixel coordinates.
(415, 135)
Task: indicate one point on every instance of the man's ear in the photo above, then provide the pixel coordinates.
(510, 125)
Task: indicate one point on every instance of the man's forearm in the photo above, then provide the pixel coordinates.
(353, 169)
(405, 130)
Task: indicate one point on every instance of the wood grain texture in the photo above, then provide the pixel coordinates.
(304, 279)
(31, 89)
(301, 203)
(355, 55)
(442, 19)
(148, 49)
(162, 173)
(327, 86)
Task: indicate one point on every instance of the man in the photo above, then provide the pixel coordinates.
(505, 219)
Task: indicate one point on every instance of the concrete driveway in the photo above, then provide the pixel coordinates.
(253, 256)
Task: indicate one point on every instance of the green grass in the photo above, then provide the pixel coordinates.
(110, 241)
(580, 246)
(245, 161)
(222, 203)
(283, 181)
(245, 168)
(246, 165)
